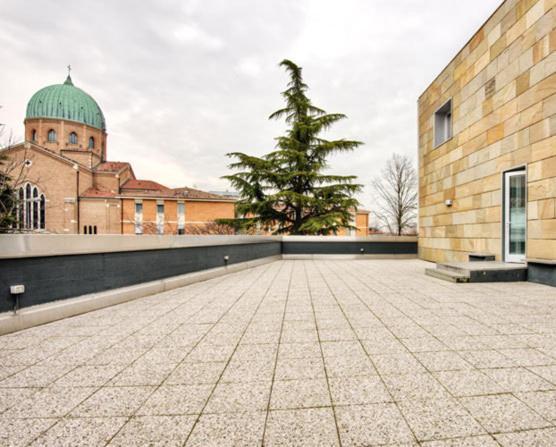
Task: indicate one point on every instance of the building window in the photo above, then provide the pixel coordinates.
(160, 218)
(51, 136)
(181, 218)
(91, 143)
(443, 124)
(34, 135)
(73, 138)
(138, 218)
(30, 208)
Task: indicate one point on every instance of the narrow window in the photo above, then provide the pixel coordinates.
(90, 230)
(43, 212)
(36, 205)
(28, 202)
(95, 229)
(51, 136)
(34, 135)
(73, 138)
(138, 218)
(21, 209)
(91, 143)
(443, 124)
(160, 218)
(181, 218)
(84, 229)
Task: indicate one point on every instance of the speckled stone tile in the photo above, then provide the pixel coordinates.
(442, 361)
(415, 387)
(228, 430)
(80, 432)
(304, 393)
(298, 351)
(49, 402)
(375, 424)
(358, 390)
(91, 376)
(468, 383)
(543, 402)
(154, 430)
(307, 368)
(537, 438)
(113, 401)
(517, 379)
(195, 373)
(503, 413)
(439, 419)
(176, 400)
(197, 363)
(238, 397)
(473, 441)
(11, 396)
(143, 374)
(20, 432)
(307, 427)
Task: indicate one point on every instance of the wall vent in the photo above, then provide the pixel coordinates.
(490, 88)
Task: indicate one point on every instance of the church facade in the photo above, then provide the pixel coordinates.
(66, 184)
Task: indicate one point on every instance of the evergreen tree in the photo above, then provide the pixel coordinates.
(286, 191)
(7, 198)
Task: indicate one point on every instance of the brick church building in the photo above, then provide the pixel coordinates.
(68, 185)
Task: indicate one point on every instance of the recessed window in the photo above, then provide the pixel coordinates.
(30, 208)
(51, 136)
(73, 138)
(91, 143)
(138, 218)
(443, 124)
(160, 218)
(34, 135)
(181, 218)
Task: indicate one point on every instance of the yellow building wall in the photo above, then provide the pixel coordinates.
(503, 91)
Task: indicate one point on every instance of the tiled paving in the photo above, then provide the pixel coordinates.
(293, 353)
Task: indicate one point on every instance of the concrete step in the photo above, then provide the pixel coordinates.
(447, 275)
(485, 271)
(478, 257)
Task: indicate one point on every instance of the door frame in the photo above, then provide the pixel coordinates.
(520, 170)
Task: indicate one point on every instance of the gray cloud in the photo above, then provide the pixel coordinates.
(184, 82)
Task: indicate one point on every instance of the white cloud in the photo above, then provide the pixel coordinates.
(184, 82)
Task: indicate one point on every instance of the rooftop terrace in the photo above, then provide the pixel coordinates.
(366, 352)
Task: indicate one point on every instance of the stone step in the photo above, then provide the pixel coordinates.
(485, 271)
(477, 257)
(447, 275)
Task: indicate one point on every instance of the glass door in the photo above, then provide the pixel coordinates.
(515, 219)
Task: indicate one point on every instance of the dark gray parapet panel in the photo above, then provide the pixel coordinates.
(50, 278)
(542, 271)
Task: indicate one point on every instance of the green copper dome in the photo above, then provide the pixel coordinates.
(65, 101)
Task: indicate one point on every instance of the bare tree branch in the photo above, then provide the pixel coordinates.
(396, 193)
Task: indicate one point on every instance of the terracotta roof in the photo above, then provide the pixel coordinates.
(145, 185)
(191, 193)
(97, 192)
(111, 166)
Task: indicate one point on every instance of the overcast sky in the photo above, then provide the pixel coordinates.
(183, 82)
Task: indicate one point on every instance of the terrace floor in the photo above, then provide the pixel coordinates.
(293, 353)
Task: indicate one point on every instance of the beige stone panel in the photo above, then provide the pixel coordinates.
(533, 210)
(549, 106)
(546, 209)
(539, 131)
(541, 189)
(541, 248)
(538, 92)
(534, 14)
(541, 49)
(481, 230)
(543, 69)
(543, 149)
(542, 229)
(542, 169)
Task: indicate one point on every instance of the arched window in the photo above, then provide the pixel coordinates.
(31, 208)
(91, 143)
(51, 136)
(73, 138)
(34, 135)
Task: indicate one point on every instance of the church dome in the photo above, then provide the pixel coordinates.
(67, 102)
